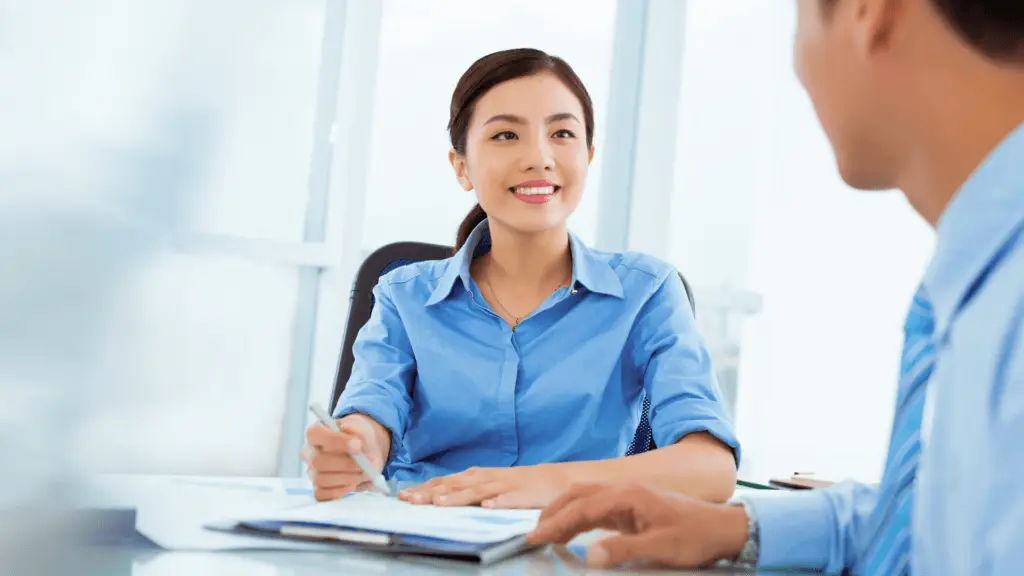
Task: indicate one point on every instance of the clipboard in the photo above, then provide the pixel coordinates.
(393, 543)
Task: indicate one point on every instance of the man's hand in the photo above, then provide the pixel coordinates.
(518, 487)
(655, 526)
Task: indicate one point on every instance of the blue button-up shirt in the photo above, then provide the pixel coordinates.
(969, 508)
(457, 387)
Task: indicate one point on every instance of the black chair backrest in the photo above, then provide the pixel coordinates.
(377, 264)
(391, 256)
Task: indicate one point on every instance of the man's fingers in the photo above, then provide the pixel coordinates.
(575, 492)
(581, 515)
(617, 550)
(655, 546)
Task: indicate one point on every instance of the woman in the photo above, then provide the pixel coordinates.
(517, 367)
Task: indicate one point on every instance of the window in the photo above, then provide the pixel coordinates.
(760, 211)
(210, 132)
(424, 49)
(234, 88)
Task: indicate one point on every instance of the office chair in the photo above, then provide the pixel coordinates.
(392, 256)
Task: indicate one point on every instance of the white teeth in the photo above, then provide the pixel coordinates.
(544, 191)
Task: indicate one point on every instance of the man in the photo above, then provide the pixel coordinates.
(926, 96)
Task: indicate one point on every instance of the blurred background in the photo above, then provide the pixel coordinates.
(188, 186)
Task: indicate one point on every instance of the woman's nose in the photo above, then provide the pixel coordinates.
(540, 156)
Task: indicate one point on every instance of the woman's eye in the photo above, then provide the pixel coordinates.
(564, 134)
(506, 135)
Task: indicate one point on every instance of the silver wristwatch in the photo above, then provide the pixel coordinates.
(751, 551)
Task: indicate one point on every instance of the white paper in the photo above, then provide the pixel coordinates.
(370, 511)
(175, 518)
(135, 491)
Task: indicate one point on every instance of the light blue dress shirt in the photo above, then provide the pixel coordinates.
(457, 387)
(969, 508)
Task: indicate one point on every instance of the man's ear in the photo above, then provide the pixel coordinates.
(876, 23)
(458, 162)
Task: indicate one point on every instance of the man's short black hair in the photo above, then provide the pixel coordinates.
(994, 27)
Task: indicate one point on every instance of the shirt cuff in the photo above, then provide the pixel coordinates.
(794, 529)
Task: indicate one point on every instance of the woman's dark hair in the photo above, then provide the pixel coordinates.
(488, 72)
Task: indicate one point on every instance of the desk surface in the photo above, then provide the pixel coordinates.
(136, 556)
(128, 561)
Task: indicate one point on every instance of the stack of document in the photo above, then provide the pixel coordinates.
(373, 512)
(193, 513)
(386, 524)
(172, 512)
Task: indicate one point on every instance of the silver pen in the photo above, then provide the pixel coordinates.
(376, 478)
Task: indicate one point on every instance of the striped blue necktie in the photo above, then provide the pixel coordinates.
(888, 550)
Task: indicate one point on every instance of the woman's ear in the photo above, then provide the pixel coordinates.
(590, 155)
(458, 162)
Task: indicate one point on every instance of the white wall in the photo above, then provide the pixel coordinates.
(204, 110)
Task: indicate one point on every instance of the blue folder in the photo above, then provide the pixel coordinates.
(485, 553)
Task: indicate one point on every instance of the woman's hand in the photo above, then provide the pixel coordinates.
(519, 487)
(328, 455)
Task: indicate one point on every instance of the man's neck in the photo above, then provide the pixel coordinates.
(963, 122)
(532, 261)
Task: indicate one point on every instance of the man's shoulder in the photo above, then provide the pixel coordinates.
(989, 332)
(1002, 289)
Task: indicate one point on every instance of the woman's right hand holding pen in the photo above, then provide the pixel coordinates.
(328, 454)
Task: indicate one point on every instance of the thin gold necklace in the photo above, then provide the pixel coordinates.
(497, 301)
(494, 295)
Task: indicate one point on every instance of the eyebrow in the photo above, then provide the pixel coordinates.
(513, 119)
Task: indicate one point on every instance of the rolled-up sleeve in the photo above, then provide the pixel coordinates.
(677, 373)
(382, 372)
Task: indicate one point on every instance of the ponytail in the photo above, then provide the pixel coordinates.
(469, 223)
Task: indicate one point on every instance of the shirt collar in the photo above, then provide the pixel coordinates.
(975, 227)
(478, 242)
(593, 271)
(588, 268)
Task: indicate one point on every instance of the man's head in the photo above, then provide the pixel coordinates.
(876, 70)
